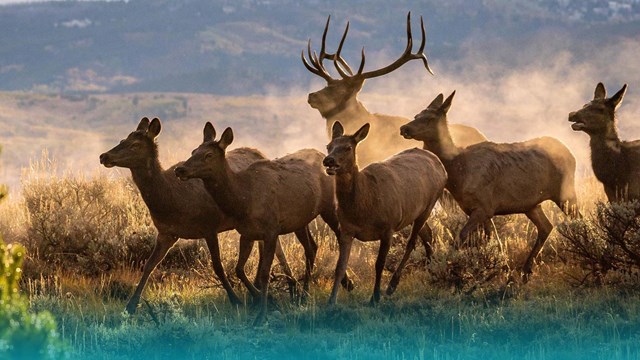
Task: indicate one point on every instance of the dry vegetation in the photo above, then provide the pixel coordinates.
(88, 236)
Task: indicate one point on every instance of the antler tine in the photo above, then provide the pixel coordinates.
(406, 55)
(316, 68)
(421, 49)
(337, 57)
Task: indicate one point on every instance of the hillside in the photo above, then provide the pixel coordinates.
(245, 47)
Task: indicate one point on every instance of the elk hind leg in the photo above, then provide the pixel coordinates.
(540, 220)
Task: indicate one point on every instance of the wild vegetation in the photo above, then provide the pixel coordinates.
(458, 305)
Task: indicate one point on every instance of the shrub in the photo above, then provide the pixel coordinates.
(90, 225)
(605, 245)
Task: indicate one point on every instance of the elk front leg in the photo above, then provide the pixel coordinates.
(425, 235)
(385, 244)
(270, 245)
(544, 227)
(214, 249)
(345, 242)
(310, 251)
(246, 245)
(163, 244)
(471, 228)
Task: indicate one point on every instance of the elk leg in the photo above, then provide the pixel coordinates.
(282, 259)
(256, 282)
(476, 218)
(270, 246)
(162, 246)
(246, 245)
(385, 244)
(214, 249)
(411, 244)
(540, 220)
(310, 251)
(345, 242)
(332, 220)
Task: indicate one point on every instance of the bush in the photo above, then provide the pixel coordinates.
(23, 334)
(90, 225)
(606, 246)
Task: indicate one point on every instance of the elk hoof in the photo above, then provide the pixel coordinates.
(131, 308)
(347, 284)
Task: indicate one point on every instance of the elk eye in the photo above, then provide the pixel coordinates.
(134, 146)
(208, 156)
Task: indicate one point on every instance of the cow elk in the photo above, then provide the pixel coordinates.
(268, 198)
(178, 209)
(338, 100)
(615, 163)
(490, 179)
(381, 199)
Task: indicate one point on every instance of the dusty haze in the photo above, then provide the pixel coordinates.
(510, 93)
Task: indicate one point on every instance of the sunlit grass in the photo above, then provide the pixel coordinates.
(463, 304)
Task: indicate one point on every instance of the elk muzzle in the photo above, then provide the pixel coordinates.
(182, 173)
(406, 132)
(105, 160)
(575, 118)
(330, 164)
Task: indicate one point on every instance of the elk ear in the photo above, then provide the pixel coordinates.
(616, 99)
(600, 92)
(362, 133)
(226, 138)
(143, 125)
(447, 103)
(154, 128)
(437, 102)
(209, 132)
(337, 130)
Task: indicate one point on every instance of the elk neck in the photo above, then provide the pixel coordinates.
(346, 187)
(153, 185)
(443, 145)
(607, 161)
(224, 186)
(349, 108)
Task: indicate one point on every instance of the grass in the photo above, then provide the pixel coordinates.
(463, 304)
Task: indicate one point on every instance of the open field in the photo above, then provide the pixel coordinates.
(82, 266)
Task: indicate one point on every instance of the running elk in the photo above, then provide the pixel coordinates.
(178, 209)
(381, 199)
(338, 100)
(268, 198)
(615, 163)
(490, 179)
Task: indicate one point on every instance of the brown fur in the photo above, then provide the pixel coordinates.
(381, 199)
(490, 179)
(615, 163)
(178, 209)
(267, 199)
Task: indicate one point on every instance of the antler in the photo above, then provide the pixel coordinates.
(316, 65)
(345, 70)
(405, 57)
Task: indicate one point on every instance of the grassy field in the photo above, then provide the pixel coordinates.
(87, 238)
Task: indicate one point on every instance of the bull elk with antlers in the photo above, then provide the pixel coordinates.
(338, 100)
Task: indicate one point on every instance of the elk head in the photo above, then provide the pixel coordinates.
(598, 115)
(334, 97)
(208, 157)
(429, 124)
(342, 149)
(137, 149)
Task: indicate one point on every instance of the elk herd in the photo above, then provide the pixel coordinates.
(372, 182)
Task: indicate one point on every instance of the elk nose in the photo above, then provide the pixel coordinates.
(329, 161)
(405, 131)
(103, 158)
(180, 171)
(572, 115)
